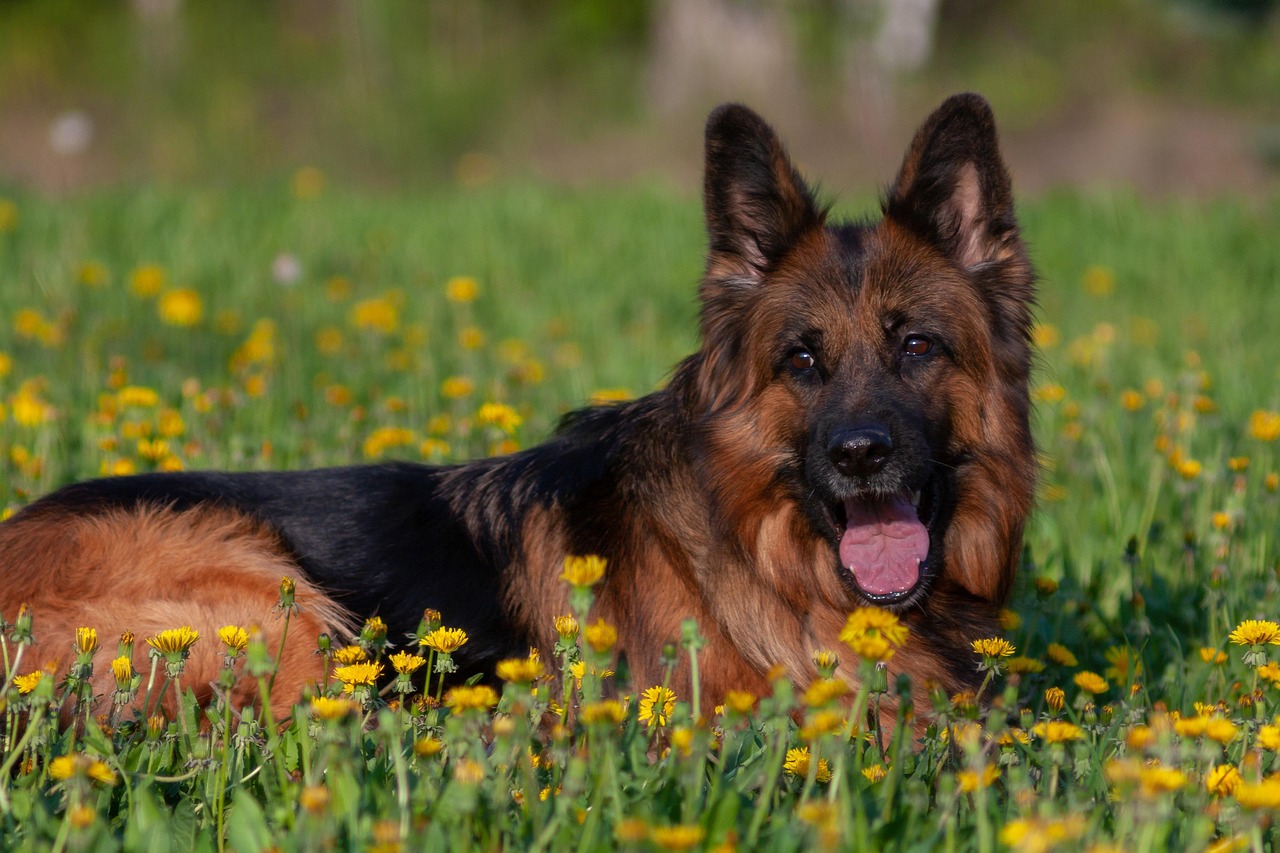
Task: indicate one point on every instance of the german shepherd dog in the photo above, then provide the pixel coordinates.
(853, 430)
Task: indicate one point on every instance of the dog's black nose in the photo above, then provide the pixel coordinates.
(859, 451)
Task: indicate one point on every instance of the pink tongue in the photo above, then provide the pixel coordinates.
(884, 545)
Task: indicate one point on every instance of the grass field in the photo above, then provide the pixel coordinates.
(286, 327)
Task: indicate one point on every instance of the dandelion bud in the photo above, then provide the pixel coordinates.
(286, 601)
(22, 625)
(1055, 698)
(567, 627)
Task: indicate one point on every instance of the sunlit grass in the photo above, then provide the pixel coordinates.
(1131, 699)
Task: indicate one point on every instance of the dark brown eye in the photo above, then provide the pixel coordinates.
(916, 345)
(801, 360)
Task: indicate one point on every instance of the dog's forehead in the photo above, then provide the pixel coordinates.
(900, 273)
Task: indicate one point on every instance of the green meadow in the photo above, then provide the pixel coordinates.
(296, 325)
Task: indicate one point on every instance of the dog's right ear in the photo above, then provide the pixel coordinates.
(756, 203)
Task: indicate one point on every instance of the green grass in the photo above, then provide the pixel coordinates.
(1155, 537)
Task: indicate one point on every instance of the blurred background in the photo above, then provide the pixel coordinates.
(1166, 96)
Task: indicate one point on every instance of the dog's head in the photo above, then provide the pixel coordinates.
(875, 374)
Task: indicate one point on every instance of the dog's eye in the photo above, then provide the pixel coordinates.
(917, 345)
(803, 360)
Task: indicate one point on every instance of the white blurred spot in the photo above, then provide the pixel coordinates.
(71, 133)
(286, 269)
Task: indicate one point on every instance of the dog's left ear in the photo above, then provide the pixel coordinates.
(954, 190)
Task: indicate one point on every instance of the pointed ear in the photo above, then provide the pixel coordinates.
(954, 190)
(756, 203)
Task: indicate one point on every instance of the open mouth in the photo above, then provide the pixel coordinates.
(886, 541)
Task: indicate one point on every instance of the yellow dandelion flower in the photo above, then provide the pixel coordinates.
(92, 274)
(870, 646)
(480, 697)
(1262, 795)
(609, 711)
(1046, 586)
(1255, 632)
(656, 705)
(499, 415)
(874, 773)
(468, 772)
(147, 281)
(331, 708)
(993, 647)
(1060, 655)
(377, 315)
(406, 663)
(434, 448)
(1090, 682)
(425, 747)
(1217, 657)
(1238, 464)
(445, 640)
(1221, 729)
(583, 571)
(457, 387)
(822, 723)
(740, 701)
(1029, 835)
(600, 636)
(1045, 335)
(677, 838)
(1132, 400)
(8, 215)
(348, 655)
(328, 341)
(358, 675)
(27, 683)
(1050, 392)
(235, 638)
(137, 396)
(28, 409)
(86, 641)
(174, 641)
(566, 627)
(797, 764)
(520, 670)
(1188, 469)
(471, 338)
(825, 660)
(385, 438)
(1264, 425)
(971, 780)
(1272, 482)
(1158, 779)
(1023, 665)
(122, 670)
(181, 307)
(966, 734)
(314, 799)
(824, 691)
(1191, 727)
(1099, 281)
(65, 766)
(1058, 731)
(1222, 780)
(1269, 737)
(1009, 737)
(874, 620)
(461, 288)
